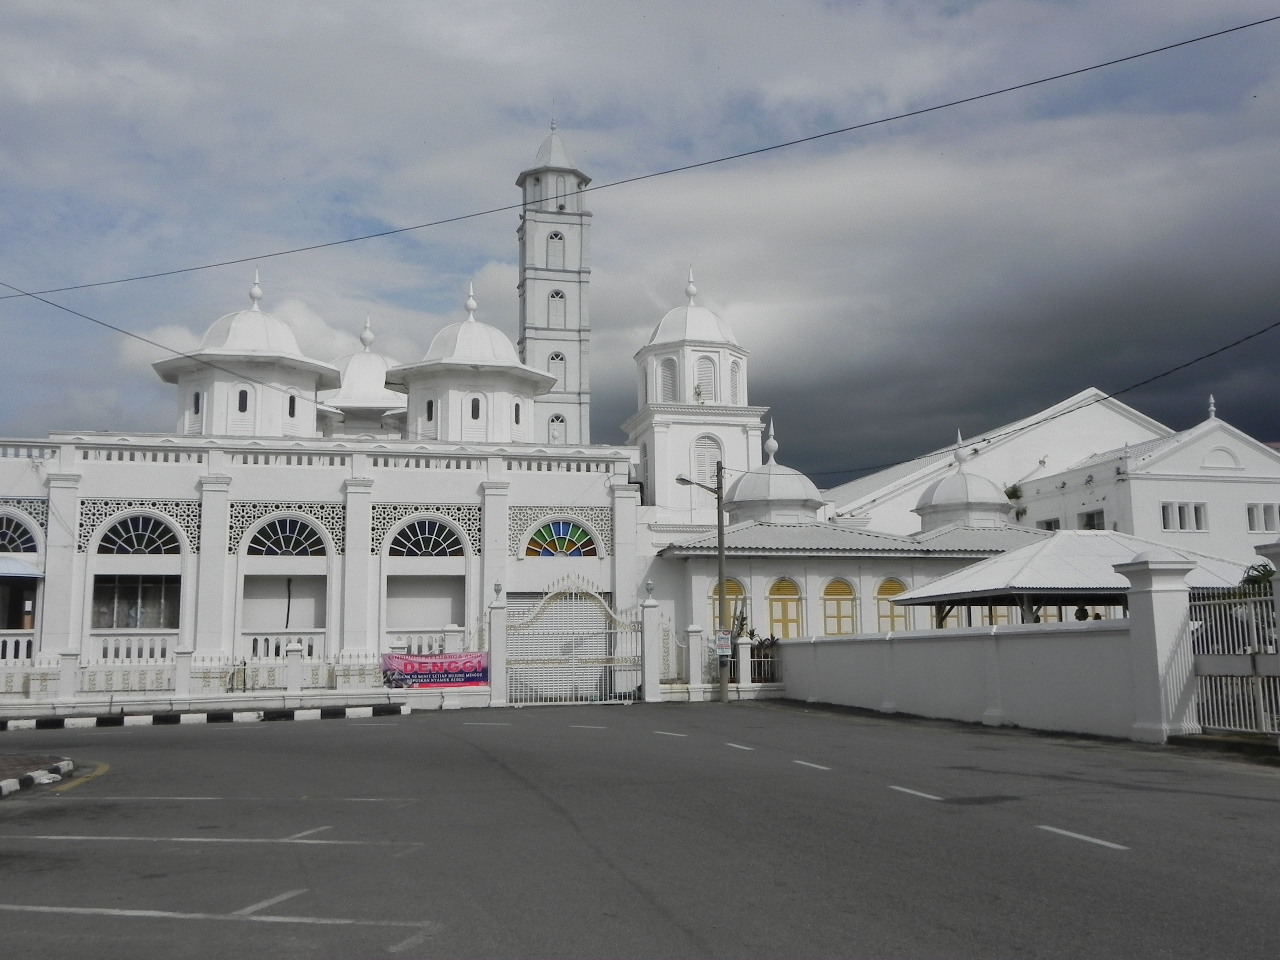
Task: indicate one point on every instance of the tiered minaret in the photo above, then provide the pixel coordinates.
(555, 327)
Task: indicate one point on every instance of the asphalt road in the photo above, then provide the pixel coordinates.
(690, 830)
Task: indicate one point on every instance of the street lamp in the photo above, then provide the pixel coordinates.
(718, 490)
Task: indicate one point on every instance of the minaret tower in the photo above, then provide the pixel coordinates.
(555, 326)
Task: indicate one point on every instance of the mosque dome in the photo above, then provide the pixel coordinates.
(472, 343)
(964, 498)
(773, 492)
(251, 332)
(364, 378)
(692, 322)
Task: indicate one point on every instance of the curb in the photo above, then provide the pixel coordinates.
(212, 716)
(1262, 747)
(14, 784)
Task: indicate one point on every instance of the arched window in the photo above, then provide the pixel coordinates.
(560, 538)
(737, 597)
(431, 410)
(668, 381)
(475, 408)
(705, 391)
(706, 453)
(195, 403)
(784, 608)
(286, 537)
(557, 427)
(555, 250)
(517, 414)
(735, 383)
(15, 536)
(242, 401)
(556, 312)
(426, 538)
(889, 616)
(555, 367)
(293, 405)
(838, 608)
(140, 534)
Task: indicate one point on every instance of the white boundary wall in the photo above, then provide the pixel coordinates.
(1061, 677)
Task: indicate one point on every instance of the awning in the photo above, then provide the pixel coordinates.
(11, 566)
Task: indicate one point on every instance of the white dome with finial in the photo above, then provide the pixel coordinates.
(473, 343)
(692, 323)
(773, 492)
(962, 497)
(364, 378)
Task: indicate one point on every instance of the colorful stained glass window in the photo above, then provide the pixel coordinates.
(560, 538)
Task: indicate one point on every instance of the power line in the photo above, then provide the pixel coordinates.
(662, 173)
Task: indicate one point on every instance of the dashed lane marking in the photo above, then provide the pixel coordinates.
(585, 726)
(1081, 836)
(915, 793)
(287, 840)
(483, 723)
(263, 904)
(815, 766)
(307, 833)
(738, 746)
(426, 927)
(667, 733)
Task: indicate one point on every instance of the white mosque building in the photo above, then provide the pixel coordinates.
(338, 511)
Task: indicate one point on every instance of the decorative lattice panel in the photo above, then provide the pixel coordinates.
(37, 510)
(388, 515)
(244, 514)
(184, 514)
(525, 520)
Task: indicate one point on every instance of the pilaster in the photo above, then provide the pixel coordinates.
(359, 631)
(215, 602)
(60, 598)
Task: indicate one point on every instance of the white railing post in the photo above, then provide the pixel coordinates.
(695, 656)
(1160, 645)
(650, 649)
(498, 649)
(182, 673)
(68, 674)
(454, 636)
(293, 667)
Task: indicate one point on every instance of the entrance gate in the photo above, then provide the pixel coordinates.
(569, 646)
(1236, 662)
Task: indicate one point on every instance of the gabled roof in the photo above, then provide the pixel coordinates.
(1069, 563)
(765, 537)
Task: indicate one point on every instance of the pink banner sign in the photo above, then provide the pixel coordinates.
(435, 669)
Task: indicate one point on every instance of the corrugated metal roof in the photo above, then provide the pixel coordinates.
(1133, 451)
(1070, 561)
(760, 536)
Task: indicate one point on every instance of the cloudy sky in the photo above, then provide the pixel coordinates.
(952, 271)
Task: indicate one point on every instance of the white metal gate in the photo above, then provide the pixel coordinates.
(569, 646)
(1237, 664)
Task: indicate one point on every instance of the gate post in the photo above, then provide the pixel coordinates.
(1271, 553)
(650, 648)
(498, 649)
(1160, 645)
(695, 657)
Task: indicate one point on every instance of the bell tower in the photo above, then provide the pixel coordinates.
(555, 325)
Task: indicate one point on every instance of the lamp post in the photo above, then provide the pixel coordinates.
(718, 490)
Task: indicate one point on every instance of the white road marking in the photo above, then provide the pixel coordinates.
(664, 733)
(585, 726)
(412, 941)
(481, 723)
(916, 793)
(321, 843)
(806, 763)
(307, 833)
(254, 908)
(426, 926)
(1081, 836)
(738, 746)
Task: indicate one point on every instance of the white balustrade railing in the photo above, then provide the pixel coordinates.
(129, 454)
(17, 645)
(273, 645)
(133, 646)
(272, 458)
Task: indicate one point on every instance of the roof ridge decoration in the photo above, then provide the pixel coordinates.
(255, 291)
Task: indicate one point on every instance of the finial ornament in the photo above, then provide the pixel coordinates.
(255, 292)
(1213, 408)
(366, 336)
(960, 455)
(770, 444)
(470, 305)
(691, 291)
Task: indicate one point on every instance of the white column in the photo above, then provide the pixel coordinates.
(498, 650)
(60, 601)
(357, 637)
(650, 649)
(1160, 645)
(214, 605)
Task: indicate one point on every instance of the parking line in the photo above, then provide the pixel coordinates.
(1081, 836)
(262, 905)
(915, 793)
(738, 746)
(806, 763)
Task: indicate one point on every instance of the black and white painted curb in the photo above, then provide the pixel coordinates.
(47, 775)
(211, 716)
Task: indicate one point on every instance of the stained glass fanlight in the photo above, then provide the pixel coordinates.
(561, 538)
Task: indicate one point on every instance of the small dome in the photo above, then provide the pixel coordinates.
(252, 331)
(773, 492)
(961, 488)
(471, 342)
(364, 378)
(692, 322)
